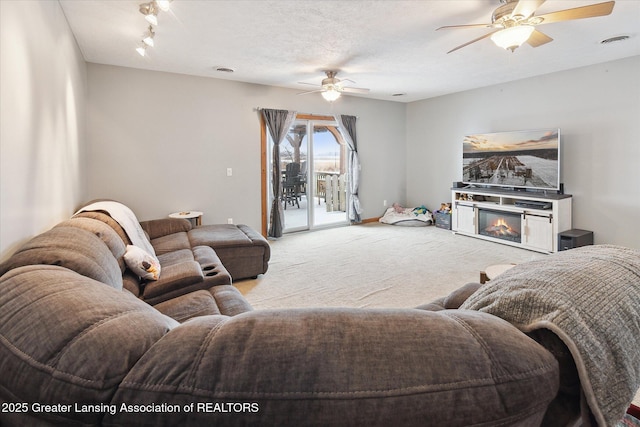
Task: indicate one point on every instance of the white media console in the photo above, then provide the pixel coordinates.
(527, 219)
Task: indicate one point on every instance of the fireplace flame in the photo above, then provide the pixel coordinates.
(501, 228)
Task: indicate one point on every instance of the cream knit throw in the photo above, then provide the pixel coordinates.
(590, 298)
(124, 216)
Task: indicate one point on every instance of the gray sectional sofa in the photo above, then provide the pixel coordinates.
(81, 345)
(194, 261)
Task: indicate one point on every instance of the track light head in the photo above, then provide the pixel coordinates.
(163, 4)
(147, 38)
(150, 12)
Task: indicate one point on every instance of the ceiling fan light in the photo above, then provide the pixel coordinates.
(331, 94)
(511, 38)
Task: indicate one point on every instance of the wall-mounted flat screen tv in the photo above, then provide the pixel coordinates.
(520, 159)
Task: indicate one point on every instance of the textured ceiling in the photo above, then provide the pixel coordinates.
(387, 46)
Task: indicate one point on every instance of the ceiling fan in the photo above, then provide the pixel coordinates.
(514, 22)
(332, 87)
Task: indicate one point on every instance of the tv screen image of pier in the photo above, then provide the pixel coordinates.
(527, 159)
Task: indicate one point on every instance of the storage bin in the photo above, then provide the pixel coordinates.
(443, 220)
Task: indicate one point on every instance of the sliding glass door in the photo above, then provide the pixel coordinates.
(314, 176)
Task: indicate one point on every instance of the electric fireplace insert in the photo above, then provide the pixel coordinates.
(500, 225)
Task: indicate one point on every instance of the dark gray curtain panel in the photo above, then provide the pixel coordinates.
(347, 126)
(278, 123)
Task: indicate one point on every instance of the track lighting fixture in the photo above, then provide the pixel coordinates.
(150, 11)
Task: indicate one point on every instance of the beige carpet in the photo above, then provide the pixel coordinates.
(372, 265)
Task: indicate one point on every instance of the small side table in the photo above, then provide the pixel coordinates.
(493, 271)
(190, 215)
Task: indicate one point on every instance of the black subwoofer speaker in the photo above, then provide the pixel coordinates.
(574, 238)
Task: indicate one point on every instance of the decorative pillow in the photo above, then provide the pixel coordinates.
(141, 263)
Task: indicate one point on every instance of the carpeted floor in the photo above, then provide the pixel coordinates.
(372, 265)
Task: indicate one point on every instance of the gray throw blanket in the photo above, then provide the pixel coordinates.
(590, 298)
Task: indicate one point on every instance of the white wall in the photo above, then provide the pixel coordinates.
(597, 109)
(162, 142)
(43, 86)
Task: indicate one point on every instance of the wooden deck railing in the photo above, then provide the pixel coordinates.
(332, 186)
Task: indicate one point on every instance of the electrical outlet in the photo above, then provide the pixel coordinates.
(384, 203)
(229, 220)
(229, 172)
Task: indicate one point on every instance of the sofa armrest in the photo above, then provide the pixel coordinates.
(164, 226)
(175, 280)
(453, 300)
(185, 307)
(327, 366)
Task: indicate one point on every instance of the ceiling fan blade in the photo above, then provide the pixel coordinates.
(355, 90)
(311, 91)
(526, 8)
(310, 84)
(538, 38)
(474, 40)
(342, 81)
(448, 27)
(600, 9)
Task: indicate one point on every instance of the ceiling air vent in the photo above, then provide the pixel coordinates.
(614, 39)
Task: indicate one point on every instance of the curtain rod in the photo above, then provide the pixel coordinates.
(309, 114)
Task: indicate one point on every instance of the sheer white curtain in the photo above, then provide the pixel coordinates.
(347, 126)
(278, 123)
